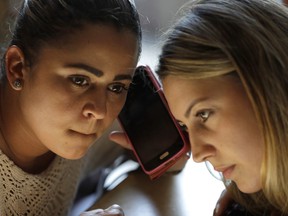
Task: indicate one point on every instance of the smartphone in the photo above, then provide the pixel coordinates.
(154, 134)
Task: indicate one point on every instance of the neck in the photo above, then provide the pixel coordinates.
(14, 142)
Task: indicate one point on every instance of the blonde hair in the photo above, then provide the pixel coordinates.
(247, 38)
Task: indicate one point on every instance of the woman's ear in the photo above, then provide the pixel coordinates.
(15, 67)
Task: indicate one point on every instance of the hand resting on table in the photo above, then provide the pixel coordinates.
(114, 210)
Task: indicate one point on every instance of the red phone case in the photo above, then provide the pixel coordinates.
(162, 168)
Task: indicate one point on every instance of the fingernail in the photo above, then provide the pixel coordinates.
(114, 209)
(92, 212)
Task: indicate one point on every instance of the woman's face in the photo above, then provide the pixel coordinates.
(221, 124)
(77, 88)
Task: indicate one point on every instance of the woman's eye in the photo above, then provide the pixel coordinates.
(117, 88)
(204, 115)
(79, 80)
(182, 126)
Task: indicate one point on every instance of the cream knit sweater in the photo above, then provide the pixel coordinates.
(51, 192)
(48, 193)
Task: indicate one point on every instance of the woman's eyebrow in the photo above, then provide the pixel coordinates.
(97, 72)
(87, 68)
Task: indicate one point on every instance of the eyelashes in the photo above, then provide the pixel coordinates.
(204, 114)
(182, 126)
(80, 81)
(117, 88)
(85, 82)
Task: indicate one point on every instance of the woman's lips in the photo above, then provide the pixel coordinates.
(226, 171)
(82, 134)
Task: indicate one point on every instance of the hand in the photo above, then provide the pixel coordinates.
(120, 138)
(222, 203)
(179, 165)
(114, 210)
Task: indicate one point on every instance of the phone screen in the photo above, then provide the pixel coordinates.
(148, 123)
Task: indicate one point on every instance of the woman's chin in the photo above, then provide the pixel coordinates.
(249, 188)
(75, 154)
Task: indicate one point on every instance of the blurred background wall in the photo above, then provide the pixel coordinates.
(7, 14)
(156, 17)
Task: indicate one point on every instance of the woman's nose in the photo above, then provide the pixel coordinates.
(96, 111)
(201, 151)
(96, 107)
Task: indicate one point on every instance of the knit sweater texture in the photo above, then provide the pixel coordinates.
(48, 193)
(52, 192)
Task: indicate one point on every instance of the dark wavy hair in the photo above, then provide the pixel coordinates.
(43, 21)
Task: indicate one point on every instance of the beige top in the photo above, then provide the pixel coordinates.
(48, 193)
(51, 192)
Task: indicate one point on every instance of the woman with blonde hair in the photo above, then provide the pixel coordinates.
(224, 69)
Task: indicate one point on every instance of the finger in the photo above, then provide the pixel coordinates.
(94, 212)
(120, 138)
(114, 210)
(179, 165)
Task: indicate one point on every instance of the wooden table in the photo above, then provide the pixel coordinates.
(192, 192)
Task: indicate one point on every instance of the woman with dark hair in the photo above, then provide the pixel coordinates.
(64, 80)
